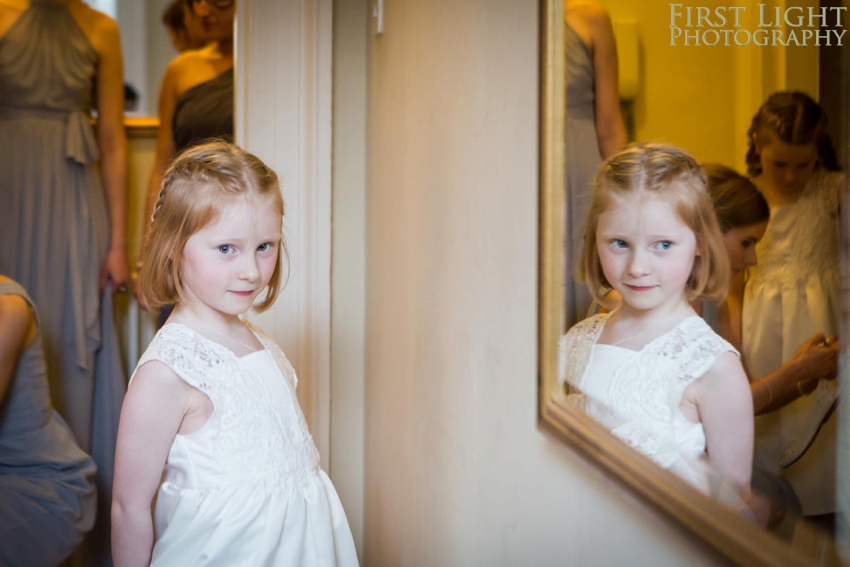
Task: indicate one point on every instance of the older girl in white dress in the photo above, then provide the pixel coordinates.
(794, 290)
(211, 423)
(652, 370)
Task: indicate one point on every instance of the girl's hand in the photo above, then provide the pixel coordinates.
(115, 270)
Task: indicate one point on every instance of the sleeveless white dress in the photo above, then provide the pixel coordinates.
(636, 394)
(246, 489)
(792, 293)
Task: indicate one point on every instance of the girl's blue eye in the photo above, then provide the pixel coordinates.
(225, 248)
(665, 245)
(264, 247)
(620, 244)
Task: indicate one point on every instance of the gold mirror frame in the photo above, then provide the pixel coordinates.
(730, 534)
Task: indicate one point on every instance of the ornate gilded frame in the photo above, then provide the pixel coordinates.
(721, 528)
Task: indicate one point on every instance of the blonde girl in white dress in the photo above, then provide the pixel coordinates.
(211, 425)
(794, 290)
(652, 370)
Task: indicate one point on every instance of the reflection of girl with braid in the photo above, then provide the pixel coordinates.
(794, 291)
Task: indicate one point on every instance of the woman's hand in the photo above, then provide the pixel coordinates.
(115, 270)
(817, 357)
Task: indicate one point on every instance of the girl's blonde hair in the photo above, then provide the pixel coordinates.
(197, 186)
(668, 173)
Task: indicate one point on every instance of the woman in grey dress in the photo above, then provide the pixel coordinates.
(595, 128)
(62, 221)
(47, 494)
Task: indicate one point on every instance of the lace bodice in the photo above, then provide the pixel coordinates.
(253, 440)
(645, 391)
(802, 238)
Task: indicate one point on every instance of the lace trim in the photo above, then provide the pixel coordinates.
(252, 444)
(645, 392)
(575, 347)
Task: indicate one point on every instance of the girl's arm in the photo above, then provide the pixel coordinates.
(112, 143)
(17, 332)
(153, 409)
(610, 129)
(725, 409)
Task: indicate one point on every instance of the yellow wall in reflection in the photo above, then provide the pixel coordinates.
(140, 157)
(702, 98)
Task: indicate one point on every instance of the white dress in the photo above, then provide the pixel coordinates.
(636, 394)
(792, 293)
(246, 489)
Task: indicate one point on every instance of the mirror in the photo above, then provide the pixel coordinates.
(701, 98)
(146, 47)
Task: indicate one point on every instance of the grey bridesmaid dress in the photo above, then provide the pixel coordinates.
(582, 162)
(54, 223)
(47, 494)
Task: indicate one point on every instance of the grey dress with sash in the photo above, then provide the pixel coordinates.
(582, 162)
(54, 223)
(47, 494)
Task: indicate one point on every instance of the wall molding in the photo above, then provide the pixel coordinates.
(283, 115)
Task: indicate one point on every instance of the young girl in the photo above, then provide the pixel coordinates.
(653, 370)
(794, 291)
(211, 424)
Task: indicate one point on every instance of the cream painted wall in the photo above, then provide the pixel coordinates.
(457, 471)
(348, 263)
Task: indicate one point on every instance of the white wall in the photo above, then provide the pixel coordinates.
(457, 471)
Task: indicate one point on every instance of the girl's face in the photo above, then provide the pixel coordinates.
(646, 251)
(740, 245)
(229, 262)
(786, 167)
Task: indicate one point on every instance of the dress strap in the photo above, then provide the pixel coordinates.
(280, 359)
(575, 347)
(187, 353)
(14, 288)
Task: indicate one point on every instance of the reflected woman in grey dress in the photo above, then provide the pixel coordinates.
(62, 221)
(47, 494)
(595, 129)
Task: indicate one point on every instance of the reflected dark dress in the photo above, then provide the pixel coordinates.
(54, 224)
(47, 495)
(204, 111)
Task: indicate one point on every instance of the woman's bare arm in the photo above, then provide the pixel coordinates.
(17, 331)
(112, 143)
(164, 142)
(610, 129)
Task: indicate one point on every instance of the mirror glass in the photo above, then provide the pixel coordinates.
(146, 47)
(694, 76)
